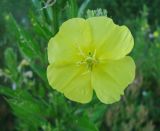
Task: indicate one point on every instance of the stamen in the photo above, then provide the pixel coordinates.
(89, 60)
(94, 54)
(80, 50)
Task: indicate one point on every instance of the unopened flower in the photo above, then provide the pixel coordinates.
(90, 55)
(155, 34)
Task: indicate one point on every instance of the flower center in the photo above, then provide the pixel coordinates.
(89, 60)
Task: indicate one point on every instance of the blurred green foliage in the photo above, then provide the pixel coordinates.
(28, 103)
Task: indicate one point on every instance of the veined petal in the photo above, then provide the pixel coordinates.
(72, 81)
(111, 78)
(110, 40)
(70, 43)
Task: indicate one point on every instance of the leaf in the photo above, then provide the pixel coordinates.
(99, 112)
(40, 29)
(83, 7)
(73, 9)
(25, 106)
(26, 110)
(7, 91)
(29, 48)
(84, 124)
(40, 71)
(11, 62)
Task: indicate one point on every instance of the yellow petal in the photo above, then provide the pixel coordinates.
(72, 81)
(70, 42)
(110, 40)
(111, 78)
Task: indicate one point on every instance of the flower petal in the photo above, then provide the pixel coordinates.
(71, 80)
(73, 37)
(110, 40)
(111, 78)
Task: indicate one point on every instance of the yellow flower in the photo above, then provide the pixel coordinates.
(87, 55)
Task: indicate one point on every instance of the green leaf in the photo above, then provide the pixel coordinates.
(40, 29)
(27, 45)
(73, 8)
(39, 70)
(55, 16)
(25, 106)
(26, 110)
(7, 91)
(11, 62)
(29, 48)
(84, 124)
(83, 8)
